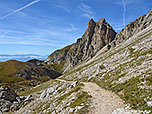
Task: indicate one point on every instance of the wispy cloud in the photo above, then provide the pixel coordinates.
(124, 12)
(87, 11)
(124, 3)
(43, 37)
(70, 28)
(32, 40)
(31, 43)
(87, 15)
(17, 10)
(127, 2)
(118, 28)
(117, 25)
(6, 32)
(62, 7)
(86, 8)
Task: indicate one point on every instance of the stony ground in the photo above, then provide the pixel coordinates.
(125, 70)
(70, 97)
(103, 101)
(55, 97)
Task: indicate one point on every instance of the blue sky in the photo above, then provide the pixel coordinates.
(41, 26)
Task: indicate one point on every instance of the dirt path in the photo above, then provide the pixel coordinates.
(103, 101)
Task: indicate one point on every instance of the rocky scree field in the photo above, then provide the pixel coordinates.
(55, 97)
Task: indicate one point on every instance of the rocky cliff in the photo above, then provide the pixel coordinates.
(97, 35)
(134, 27)
(125, 69)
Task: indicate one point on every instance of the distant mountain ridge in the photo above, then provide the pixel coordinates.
(21, 57)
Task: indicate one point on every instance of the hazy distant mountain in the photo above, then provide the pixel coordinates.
(21, 57)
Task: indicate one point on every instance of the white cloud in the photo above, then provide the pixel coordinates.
(6, 32)
(70, 28)
(87, 15)
(124, 3)
(45, 37)
(31, 43)
(117, 25)
(28, 40)
(118, 29)
(62, 7)
(127, 2)
(18, 10)
(124, 12)
(85, 8)
(87, 11)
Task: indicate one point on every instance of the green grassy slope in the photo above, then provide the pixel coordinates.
(8, 69)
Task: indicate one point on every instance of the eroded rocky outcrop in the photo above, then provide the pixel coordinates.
(134, 27)
(10, 101)
(97, 35)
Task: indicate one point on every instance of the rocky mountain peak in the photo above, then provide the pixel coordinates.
(90, 29)
(149, 15)
(102, 20)
(97, 30)
(97, 35)
(150, 11)
(90, 23)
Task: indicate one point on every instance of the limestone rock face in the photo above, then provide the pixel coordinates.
(97, 35)
(103, 34)
(134, 27)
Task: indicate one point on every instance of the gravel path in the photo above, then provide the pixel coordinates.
(103, 101)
